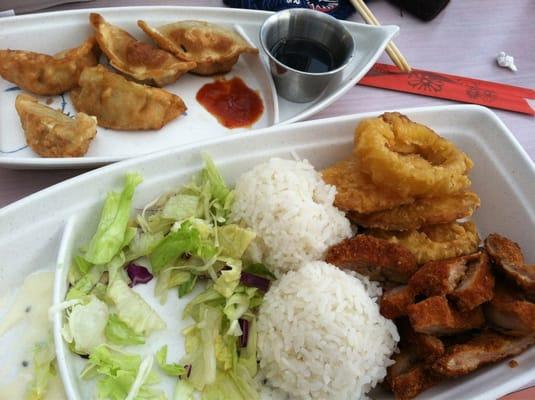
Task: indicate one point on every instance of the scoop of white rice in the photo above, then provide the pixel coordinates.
(291, 209)
(321, 336)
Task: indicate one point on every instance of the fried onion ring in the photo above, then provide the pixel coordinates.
(424, 211)
(435, 242)
(410, 158)
(356, 192)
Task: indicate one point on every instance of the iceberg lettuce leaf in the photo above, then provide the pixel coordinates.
(171, 369)
(234, 240)
(200, 347)
(185, 239)
(133, 310)
(87, 323)
(117, 332)
(111, 231)
(180, 207)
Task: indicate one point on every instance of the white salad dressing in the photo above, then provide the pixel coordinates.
(24, 321)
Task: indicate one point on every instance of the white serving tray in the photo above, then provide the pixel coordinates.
(33, 229)
(52, 32)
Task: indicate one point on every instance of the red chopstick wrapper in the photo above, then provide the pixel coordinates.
(451, 87)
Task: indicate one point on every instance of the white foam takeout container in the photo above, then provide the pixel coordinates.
(52, 32)
(43, 230)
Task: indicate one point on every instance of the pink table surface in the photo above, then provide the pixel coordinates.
(462, 40)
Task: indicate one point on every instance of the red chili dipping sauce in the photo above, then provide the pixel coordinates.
(232, 102)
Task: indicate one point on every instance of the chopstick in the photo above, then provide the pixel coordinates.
(392, 50)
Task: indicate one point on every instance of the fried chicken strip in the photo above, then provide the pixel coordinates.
(511, 312)
(477, 285)
(376, 258)
(485, 348)
(356, 192)
(508, 257)
(435, 316)
(425, 211)
(435, 242)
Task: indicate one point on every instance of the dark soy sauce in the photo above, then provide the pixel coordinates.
(304, 55)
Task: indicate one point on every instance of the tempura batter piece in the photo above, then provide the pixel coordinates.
(121, 104)
(44, 74)
(508, 257)
(435, 316)
(394, 302)
(140, 60)
(50, 133)
(356, 192)
(373, 257)
(486, 348)
(410, 158)
(214, 48)
(435, 242)
(477, 285)
(511, 312)
(424, 211)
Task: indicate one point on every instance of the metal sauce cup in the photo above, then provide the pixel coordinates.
(300, 86)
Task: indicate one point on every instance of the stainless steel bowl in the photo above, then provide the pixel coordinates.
(300, 86)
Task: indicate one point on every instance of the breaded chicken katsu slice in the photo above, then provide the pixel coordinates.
(376, 258)
(435, 316)
(395, 301)
(477, 285)
(486, 348)
(510, 311)
(508, 257)
(409, 376)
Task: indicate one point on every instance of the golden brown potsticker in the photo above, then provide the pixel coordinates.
(50, 133)
(121, 104)
(214, 48)
(139, 60)
(44, 74)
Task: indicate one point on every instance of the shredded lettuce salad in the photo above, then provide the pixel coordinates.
(185, 238)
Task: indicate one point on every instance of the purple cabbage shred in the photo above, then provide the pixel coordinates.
(138, 274)
(256, 281)
(244, 325)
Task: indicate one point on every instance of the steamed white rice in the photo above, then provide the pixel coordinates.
(291, 209)
(321, 336)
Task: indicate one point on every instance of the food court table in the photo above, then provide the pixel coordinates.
(463, 40)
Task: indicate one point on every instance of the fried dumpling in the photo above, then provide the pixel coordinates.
(44, 74)
(215, 49)
(50, 133)
(141, 61)
(121, 104)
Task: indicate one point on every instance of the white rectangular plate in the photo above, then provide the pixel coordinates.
(32, 229)
(53, 32)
